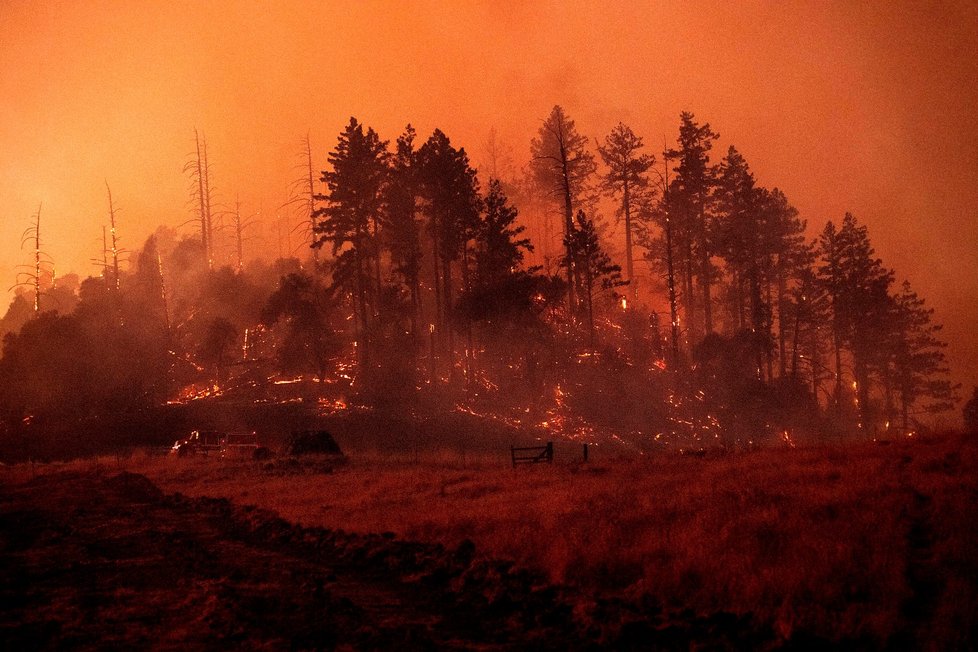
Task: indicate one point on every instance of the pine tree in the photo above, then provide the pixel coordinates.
(689, 203)
(500, 248)
(661, 250)
(595, 269)
(349, 218)
(627, 177)
(402, 229)
(917, 365)
(451, 193)
(805, 311)
(791, 264)
(562, 165)
(857, 285)
(739, 233)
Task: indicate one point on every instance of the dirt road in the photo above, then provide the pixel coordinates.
(107, 561)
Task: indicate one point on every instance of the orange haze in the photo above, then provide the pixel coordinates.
(866, 107)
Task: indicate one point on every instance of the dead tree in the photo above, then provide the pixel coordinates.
(115, 240)
(200, 195)
(302, 194)
(166, 307)
(240, 225)
(32, 277)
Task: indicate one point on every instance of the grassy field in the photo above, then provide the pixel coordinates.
(872, 544)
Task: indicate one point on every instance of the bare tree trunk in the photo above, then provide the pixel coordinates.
(105, 260)
(37, 260)
(207, 207)
(837, 342)
(469, 347)
(200, 199)
(756, 318)
(688, 298)
(439, 306)
(782, 328)
(312, 202)
(670, 267)
(629, 264)
(376, 254)
(115, 247)
(447, 297)
(166, 308)
(568, 227)
(673, 307)
(238, 227)
(794, 343)
(768, 328)
(705, 285)
(361, 290)
(589, 288)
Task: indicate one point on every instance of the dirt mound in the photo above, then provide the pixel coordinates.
(93, 562)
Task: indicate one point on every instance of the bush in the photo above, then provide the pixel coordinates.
(305, 442)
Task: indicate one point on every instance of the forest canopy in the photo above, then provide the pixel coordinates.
(669, 296)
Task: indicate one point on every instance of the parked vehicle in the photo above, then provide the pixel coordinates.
(200, 442)
(240, 444)
(214, 442)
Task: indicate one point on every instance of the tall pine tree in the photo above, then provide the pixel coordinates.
(563, 166)
(348, 220)
(627, 179)
(690, 194)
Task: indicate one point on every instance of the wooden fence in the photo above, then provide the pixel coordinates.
(532, 454)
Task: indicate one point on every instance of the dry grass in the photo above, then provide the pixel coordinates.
(832, 541)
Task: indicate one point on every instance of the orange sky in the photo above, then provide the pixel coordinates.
(867, 107)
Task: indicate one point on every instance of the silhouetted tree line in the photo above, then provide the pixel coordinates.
(428, 285)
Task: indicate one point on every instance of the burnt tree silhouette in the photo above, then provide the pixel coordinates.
(857, 286)
(739, 235)
(562, 165)
(792, 259)
(507, 301)
(198, 169)
(402, 228)
(500, 247)
(115, 240)
(302, 194)
(596, 272)
(348, 221)
(917, 367)
(661, 251)
(452, 202)
(626, 177)
(690, 206)
(33, 277)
